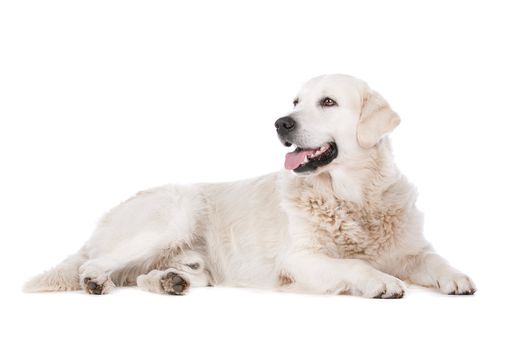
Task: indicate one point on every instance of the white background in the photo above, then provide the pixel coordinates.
(100, 99)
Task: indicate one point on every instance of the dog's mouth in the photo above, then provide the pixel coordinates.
(309, 159)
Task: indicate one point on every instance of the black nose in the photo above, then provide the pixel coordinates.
(284, 125)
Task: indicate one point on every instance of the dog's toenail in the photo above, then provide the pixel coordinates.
(194, 266)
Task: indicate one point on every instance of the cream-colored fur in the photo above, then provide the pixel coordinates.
(351, 227)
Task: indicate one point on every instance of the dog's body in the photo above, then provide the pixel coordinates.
(349, 226)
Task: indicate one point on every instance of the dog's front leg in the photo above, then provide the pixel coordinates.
(431, 270)
(318, 273)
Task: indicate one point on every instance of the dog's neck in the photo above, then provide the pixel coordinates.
(368, 177)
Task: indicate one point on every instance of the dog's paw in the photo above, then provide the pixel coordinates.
(173, 283)
(456, 284)
(382, 286)
(97, 286)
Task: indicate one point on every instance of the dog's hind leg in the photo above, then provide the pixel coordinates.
(137, 231)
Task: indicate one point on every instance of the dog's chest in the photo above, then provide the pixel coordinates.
(346, 230)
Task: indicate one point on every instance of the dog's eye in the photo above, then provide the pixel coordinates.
(327, 102)
(295, 102)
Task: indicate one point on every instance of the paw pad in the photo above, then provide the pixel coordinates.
(174, 284)
(93, 287)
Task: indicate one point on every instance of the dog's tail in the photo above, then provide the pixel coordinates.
(62, 277)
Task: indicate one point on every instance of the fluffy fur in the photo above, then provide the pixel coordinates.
(350, 227)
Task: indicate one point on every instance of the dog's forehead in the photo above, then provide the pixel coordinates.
(331, 85)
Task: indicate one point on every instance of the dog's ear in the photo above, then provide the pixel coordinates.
(376, 120)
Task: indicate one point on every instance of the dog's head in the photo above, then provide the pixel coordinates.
(335, 119)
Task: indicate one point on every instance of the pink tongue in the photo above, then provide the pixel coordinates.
(294, 159)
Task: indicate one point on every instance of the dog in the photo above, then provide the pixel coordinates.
(339, 219)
